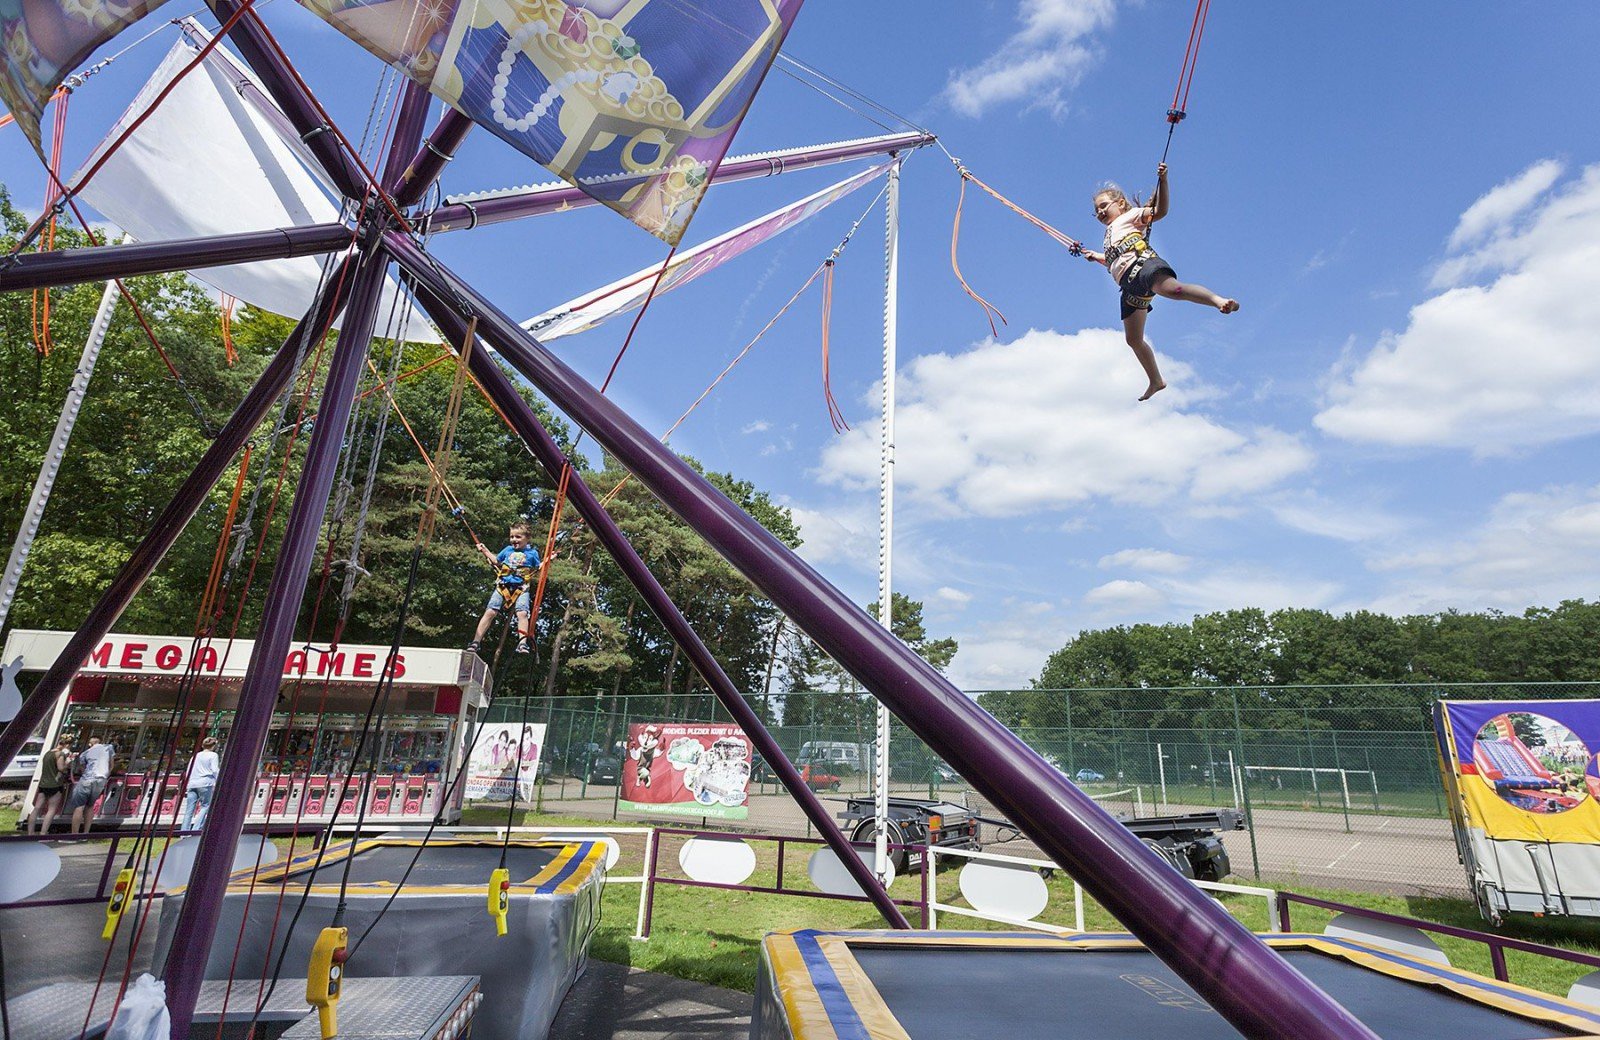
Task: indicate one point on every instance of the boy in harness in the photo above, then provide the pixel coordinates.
(1140, 272)
(515, 567)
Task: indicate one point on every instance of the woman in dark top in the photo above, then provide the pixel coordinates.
(54, 774)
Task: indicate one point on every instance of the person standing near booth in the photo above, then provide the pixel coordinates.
(54, 773)
(96, 762)
(202, 784)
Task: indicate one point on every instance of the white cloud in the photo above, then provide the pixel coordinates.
(1497, 367)
(759, 426)
(1051, 421)
(1504, 201)
(837, 535)
(1158, 561)
(1537, 547)
(954, 597)
(1038, 63)
(1124, 597)
(1341, 520)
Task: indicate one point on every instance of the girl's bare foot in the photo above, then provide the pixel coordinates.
(1228, 306)
(1153, 389)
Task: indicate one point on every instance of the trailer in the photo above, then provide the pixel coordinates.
(1188, 841)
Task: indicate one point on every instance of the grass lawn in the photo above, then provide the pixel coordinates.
(713, 935)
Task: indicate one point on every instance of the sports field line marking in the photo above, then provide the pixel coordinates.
(1346, 852)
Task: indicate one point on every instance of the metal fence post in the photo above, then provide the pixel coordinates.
(1244, 784)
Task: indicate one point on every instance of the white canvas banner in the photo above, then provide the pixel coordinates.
(628, 294)
(208, 161)
(504, 753)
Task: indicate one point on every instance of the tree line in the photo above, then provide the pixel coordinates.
(1358, 670)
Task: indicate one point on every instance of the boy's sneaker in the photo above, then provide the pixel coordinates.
(524, 647)
(472, 647)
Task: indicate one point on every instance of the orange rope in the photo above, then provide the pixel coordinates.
(219, 561)
(42, 341)
(455, 503)
(7, 119)
(447, 435)
(229, 351)
(835, 414)
(549, 550)
(612, 494)
(990, 311)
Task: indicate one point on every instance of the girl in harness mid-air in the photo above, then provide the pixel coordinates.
(1139, 272)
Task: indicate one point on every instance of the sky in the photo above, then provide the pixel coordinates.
(1403, 416)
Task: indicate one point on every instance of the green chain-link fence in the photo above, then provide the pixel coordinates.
(1340, 783)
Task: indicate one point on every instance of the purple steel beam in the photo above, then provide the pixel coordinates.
(263, 679)
(408, 127)
(71, 266)
(1228, 965)
(164, 531)
(545, 449)
(250, 36)
(550, 198)
(429, 162)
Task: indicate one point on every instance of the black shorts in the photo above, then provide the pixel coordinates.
(1136, 284)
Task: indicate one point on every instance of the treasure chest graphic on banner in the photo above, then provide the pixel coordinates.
(1524, 797)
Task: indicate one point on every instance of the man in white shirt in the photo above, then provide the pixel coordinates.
(202, 784)
(96, 763)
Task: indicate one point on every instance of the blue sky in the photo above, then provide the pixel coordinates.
(1403, 416)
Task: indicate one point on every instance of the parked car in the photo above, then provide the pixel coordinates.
(836, 756)
(593, 764)
(1088, 776)
(21, 769)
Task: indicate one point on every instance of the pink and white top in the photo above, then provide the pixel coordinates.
(1125, 233)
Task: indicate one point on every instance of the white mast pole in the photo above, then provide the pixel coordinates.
(57, 450)
(891, 277)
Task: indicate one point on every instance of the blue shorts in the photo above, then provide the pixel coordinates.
(522, 605)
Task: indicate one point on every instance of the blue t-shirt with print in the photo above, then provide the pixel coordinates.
(517, 565)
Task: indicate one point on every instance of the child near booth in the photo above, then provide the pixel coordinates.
(515, 567)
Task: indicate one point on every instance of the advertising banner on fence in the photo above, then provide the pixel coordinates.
(500, 757)
(1526, 769)
(687, 769)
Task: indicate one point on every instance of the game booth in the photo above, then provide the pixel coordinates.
(129, 694)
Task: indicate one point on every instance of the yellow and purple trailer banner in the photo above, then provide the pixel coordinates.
(1525, 801)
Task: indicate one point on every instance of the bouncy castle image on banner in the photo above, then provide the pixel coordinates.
(1524, 799)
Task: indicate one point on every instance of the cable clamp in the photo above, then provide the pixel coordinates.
(1175, 115)
(306, 137)
(429, 145)
(472, 211)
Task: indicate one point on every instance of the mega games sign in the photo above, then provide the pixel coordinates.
(136, 655)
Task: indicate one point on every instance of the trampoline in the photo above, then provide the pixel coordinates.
(436, 924)
(939, 985)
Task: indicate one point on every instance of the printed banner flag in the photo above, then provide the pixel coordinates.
(500, 757)
(633, 101)
(687, 769)
(1524, 798)
(45, 40)
(591, 309)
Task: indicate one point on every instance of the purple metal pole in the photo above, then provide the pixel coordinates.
(551, 198)
(545, 449)
(1228, 965)
(428, 163)
(258, 693)
(170, 523)
(70, 266)
(250, 36)
(408, 127)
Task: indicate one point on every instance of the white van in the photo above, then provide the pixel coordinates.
(836, 756)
